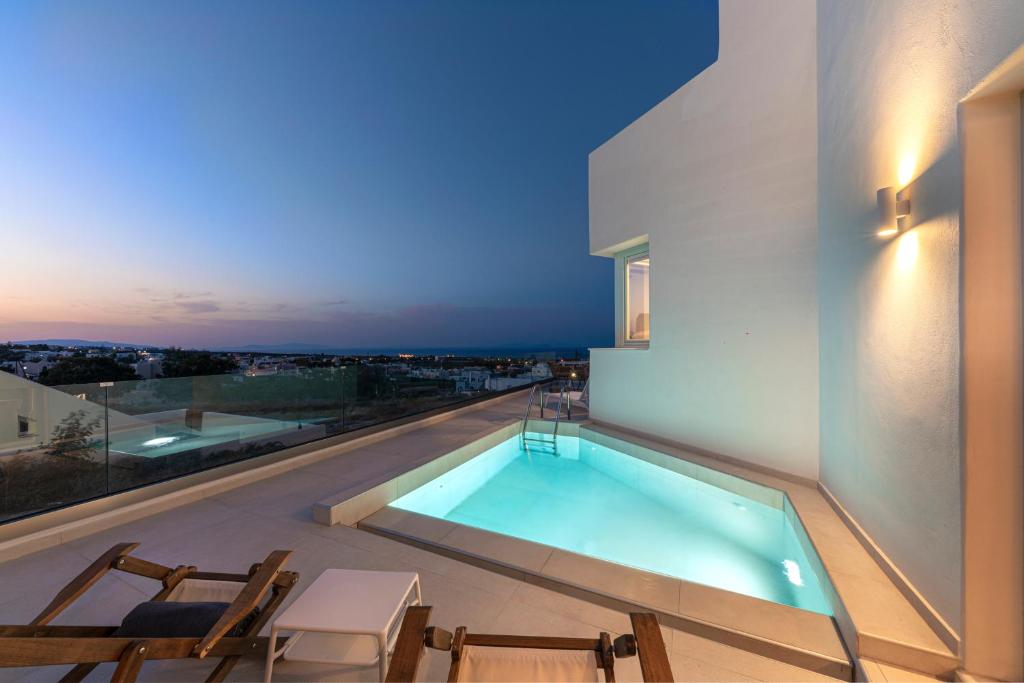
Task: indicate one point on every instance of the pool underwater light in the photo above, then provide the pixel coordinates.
(792, 571)
(160, 441)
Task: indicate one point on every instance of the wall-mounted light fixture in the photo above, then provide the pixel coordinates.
(892, 207)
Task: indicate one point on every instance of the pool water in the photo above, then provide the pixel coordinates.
(596, 501)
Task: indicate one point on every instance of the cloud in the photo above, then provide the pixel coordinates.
(190, 295)
(199, 306)
(422, 326)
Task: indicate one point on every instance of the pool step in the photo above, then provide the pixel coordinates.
(544, 446)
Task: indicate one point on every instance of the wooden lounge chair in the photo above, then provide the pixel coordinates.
(193, 615)
(482, 657)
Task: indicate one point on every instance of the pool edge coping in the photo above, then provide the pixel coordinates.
(742, 638)
(859, 642)
(354, 507)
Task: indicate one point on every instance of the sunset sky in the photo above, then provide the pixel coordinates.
(353, 174)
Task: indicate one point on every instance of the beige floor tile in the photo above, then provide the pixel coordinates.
(155, 529)
(44, 572)
(642, 588)
(410, 524)
(788, 625)
(687, 669)
(457, 603)
(359, 466)
(460, 571)
(743, 662)
(104, 604)
(378, 545)
(894, 674)
(597, 616)
(519, 618)
(505, 549)
(876, 611)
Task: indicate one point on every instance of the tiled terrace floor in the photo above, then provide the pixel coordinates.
(229, 531)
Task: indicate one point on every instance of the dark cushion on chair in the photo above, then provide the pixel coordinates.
(159, 619)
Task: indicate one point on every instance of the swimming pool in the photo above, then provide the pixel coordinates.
(593, 500)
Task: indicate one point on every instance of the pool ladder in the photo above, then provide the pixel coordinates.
(524, 440)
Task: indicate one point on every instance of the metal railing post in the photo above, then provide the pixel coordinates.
(106, 433)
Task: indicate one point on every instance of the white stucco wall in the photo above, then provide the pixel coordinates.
(890, 76)
(722, 178)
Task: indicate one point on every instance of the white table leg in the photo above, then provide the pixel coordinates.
(271, 649)
(382, 654)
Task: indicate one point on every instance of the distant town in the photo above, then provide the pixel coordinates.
(56, 364)
(78, 419)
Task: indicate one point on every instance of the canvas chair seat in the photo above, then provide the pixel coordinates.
(204, 590)
(493, 658)
(509, 664)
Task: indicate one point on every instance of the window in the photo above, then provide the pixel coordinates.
(637, 297)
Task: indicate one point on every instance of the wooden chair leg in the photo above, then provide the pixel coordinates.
(277, 596)
(130, 663)
(223, 668)
(78, 673)
(654, 665)
(607, 658)
(409, 647)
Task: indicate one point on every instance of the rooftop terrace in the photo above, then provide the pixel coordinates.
(226, 524)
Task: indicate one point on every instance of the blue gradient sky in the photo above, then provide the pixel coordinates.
(356, 174)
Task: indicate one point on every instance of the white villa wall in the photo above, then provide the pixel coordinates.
(721, 176)
(891, 73)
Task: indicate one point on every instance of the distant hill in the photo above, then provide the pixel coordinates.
(522, 351)
(82, 342)
(292, 347)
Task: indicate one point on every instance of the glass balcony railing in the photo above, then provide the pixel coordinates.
(64, 445)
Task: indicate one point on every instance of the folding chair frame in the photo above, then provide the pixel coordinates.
(415, 635)
(42, 644)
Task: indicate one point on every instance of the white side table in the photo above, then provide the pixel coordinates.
(346, 616)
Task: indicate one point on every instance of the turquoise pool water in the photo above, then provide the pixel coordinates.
(596, 501)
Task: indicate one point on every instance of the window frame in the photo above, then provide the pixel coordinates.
(624, 258)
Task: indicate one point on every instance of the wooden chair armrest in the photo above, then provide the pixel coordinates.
(31, 651)
(51, 631)
(654, 666)
(409, 646)
(247, 600)
(140, 567)
(81, 583)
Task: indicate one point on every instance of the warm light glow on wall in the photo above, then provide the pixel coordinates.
(905, 173)
(906, 254)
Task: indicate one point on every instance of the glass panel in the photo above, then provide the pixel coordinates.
(52, 446)
(60, 445)
(638, 304)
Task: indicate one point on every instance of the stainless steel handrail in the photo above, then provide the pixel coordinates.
(526, 415)
(558, 411)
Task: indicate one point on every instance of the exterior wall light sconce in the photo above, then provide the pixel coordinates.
(892, 207)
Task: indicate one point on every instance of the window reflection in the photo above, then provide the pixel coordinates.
(638, 302)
